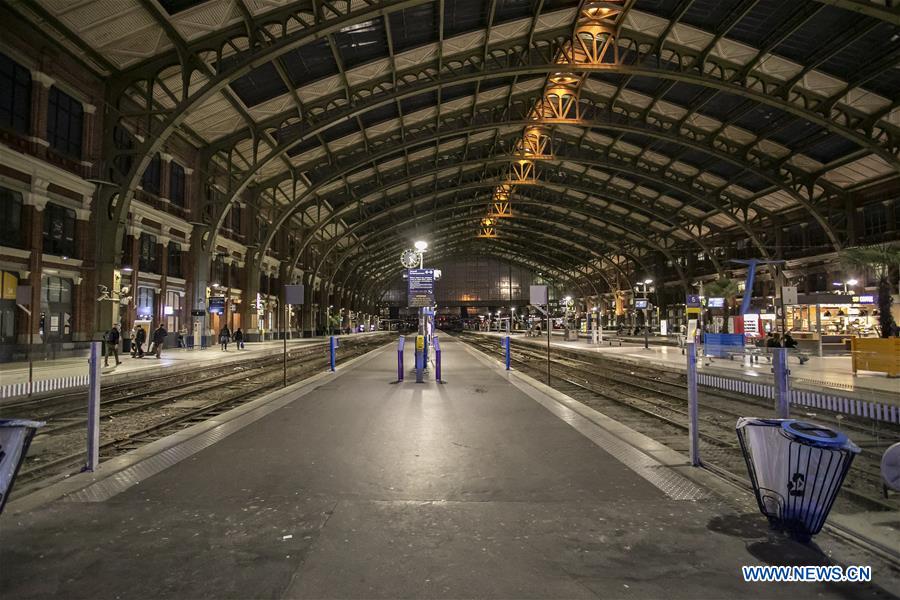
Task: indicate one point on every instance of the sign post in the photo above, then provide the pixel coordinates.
(692, 316)
(93, 421)
(293, 294)
(420, 294)
(538, 297)
(788, 298)
(693, 431)
(782, 385)
(23, 301)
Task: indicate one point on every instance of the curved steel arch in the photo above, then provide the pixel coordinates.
(460, 230)
(264, 54)
(386, 236)
(666, 217)
(459, 243)
(687, 75)
(508, 255)
(385, 259)
(299, 204)
(611, 197)
(474, 219)
(382, 250)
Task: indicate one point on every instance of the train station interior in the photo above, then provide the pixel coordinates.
(449, 299)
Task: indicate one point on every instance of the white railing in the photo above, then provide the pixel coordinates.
(14, 390)
(871, 410)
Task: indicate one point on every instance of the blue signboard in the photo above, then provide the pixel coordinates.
(692, 301)
(420, 288)
(641, 303)
(216, 305)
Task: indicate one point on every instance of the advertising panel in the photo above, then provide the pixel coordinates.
(217, 305)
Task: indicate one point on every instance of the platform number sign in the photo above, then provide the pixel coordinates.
(15, 437)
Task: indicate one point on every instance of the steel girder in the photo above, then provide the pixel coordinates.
(552, 177)
(390, 267)
(690, 64)
(566, 238)
(388, 149)
(684, 75)
(785, 177)
(464, 247)
(580, 227)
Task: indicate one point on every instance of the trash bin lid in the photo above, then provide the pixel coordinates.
(814, 433)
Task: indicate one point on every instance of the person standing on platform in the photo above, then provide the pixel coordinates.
(159, 338)
(140, 336)
(239, 338)
(224, 337)
(112, 345)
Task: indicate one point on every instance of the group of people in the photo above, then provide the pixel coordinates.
(775, 340)
(225, 336)
(138, 339)
(113, 338)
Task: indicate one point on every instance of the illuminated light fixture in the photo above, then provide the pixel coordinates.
(648, 281)
(127, 269)
(852, 282)
(488, 228)
(421, 245)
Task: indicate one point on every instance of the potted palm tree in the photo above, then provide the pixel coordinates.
(723, 287)
(879, 259)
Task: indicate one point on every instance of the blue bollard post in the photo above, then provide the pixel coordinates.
(332, 345)
(437, 360)
(400, 345)
(506, 346)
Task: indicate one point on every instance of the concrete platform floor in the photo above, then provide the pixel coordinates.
(17, 372)
(828, 373)
(367, 488)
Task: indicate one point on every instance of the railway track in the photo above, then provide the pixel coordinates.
(125, 398)
(129, 421)
(654, 403)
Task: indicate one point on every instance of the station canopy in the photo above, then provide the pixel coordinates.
(588, 140)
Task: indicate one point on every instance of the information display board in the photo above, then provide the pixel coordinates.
(420, 288)
(641, 303)
(537, 295)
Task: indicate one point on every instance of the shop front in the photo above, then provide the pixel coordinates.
(832, 319)
(56, 315)
(8, 313)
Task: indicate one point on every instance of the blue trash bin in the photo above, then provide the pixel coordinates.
(796, 468)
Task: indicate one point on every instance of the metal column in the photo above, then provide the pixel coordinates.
(693, 431)
(782, 386)
(93, 420)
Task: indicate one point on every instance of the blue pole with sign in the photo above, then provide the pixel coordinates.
(332, 346)
(400, 345)
(506, 347)
(437, 360)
